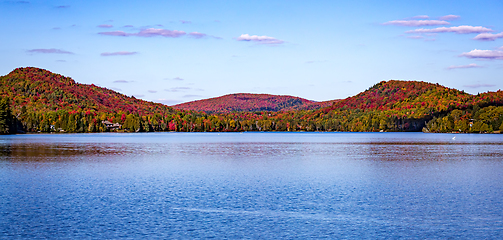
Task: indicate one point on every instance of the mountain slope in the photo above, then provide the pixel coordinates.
(42, 101)
(240, 102)
(396, 94)
(406, 98)
(402, 106)
(400, 96)
(40, 91)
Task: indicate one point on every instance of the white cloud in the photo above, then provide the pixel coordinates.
(488, 36)
(197, 35)
(149, 32)
(123, 53)
(471, 65)
(416, 23)
(49, 50)
(115, 33)
(259, 39)
(484, 54)
(449, 17)
(460, 30)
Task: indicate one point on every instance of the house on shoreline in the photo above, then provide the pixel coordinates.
(111, 126)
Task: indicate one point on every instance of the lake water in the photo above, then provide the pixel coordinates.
(251, 185)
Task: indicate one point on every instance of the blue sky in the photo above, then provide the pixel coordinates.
(179, 51)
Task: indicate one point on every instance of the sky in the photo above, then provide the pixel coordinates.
(178, 51)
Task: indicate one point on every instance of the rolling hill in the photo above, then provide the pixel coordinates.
(37, 100)
(248, 102)
(40, 90)
(414, 99)
(407, 106)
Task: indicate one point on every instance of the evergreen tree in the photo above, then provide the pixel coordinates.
(6, 119)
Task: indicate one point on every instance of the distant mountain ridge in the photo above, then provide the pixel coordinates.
(249, 102)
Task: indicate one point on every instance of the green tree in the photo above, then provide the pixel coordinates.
(6, 119)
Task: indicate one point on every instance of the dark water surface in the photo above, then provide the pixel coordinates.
(251, 185)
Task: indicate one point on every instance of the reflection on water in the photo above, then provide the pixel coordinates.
(387, 147)
(251, 185)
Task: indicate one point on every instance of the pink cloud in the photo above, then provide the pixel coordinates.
(115, 33)
(123, 53)
(259, 39)
(50, 50)
(484, 54)
(488, 36)
(449, 17)
(185, 22)
(197, 35)
(471, 65)
(153, 32)
(460, 30)
(416, 23)
(149, 32)
(105, 26)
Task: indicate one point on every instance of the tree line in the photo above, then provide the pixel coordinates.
(470, 120)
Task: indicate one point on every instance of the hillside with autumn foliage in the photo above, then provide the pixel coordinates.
(248, 102)
(407, 106)
(36, 100)
(40, 97)
(41, 90)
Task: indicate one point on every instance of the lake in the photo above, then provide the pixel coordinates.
(251, 185)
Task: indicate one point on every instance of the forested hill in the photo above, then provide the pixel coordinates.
(36, 100)
(414, 99)
(248, 102)
(39, 90)
(407, 105)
